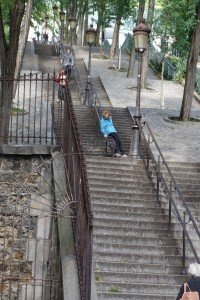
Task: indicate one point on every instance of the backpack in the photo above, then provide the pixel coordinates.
(189, 295)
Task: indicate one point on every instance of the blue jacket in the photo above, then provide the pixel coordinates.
(106, 126)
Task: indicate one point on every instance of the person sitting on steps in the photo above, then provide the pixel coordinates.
(108, 129)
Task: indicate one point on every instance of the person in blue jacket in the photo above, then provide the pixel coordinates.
(108, 129)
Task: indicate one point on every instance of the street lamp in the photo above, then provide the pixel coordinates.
(141, 37)
(73, 24)
(90, 37)
(62, 19)
(55, 11)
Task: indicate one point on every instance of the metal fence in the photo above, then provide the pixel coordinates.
(77, 176)
(35, 111)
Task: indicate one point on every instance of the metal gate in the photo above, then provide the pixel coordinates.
(35, 116)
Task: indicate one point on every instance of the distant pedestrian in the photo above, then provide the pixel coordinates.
(46, 37)
(193, 283)
(68, 62)
(108, 129)
(38, 35)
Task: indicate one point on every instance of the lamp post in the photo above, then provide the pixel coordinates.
(73, 24)
(55, 11)
(141, 36)
(62, 19)
(90, 37)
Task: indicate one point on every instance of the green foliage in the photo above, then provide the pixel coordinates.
(180, 65)
(176, 18)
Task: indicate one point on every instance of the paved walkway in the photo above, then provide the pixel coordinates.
(178, 141)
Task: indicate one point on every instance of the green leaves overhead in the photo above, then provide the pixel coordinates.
(177, 19)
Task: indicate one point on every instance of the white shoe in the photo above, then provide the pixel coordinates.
(124, 155)
(117, 155)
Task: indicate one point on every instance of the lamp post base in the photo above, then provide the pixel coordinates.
(135, 142)
(88, 93)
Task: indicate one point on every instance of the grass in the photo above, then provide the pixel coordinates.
(113, 289)
(17, 111)
(99, 278)
(190, 119)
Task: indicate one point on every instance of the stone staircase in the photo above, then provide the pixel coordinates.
(135, 256)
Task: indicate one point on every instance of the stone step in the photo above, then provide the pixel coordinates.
(120, 184)
(104, 229)
(124, 201)
(136, 258)
(130, 216)
(145, 278)
(125, 208)
(120, 165)
(138, 240)
(133, 223)
(151, 288)
(137, 267)
(122, 196)
(120, 191)
(133, 296)
(135, 249)
(115, 176)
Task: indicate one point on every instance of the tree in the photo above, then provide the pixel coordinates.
(132, 56)
(191, 68)
(12, 13)
(119, 9)
(145, 58)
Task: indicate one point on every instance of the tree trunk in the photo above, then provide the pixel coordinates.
(131, 65)
(162, 100)
(86, 22)
(8, 53)
(25, 25)
(145, 59)
(191, 71)
(132, 56)
(80, 30)
(115, 38)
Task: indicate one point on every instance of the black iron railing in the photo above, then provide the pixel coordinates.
(82, 223)
(172, 191)
(34, 113)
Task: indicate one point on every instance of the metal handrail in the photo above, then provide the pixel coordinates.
(168, 190)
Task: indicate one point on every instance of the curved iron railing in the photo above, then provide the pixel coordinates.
(169, 189)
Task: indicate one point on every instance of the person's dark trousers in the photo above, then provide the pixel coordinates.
(68, 71)
(119, 148)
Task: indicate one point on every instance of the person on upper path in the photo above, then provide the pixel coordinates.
(108, 129)
(68, 62)
(194, 281)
